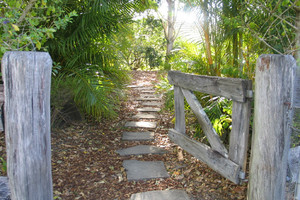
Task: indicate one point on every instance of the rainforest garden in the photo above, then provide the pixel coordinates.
(100, 48)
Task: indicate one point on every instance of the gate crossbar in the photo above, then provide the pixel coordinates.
(231, 164)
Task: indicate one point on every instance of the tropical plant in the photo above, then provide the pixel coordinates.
(85, 50)
(141, 47)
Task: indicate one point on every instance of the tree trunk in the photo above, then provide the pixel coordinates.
(170, 33)
(205, 28)
(241, 68)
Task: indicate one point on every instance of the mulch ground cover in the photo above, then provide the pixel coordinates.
(85, 164)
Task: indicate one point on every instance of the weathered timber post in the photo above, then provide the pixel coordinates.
(272, 126)
(179, 110)
(27, 79)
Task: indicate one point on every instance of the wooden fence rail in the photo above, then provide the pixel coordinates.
(276, 94)
(231, 164)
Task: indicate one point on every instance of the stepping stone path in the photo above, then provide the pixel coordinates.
(141, 124)
(143, 170)
(148, 109)
(138, 136)
(144, 116)
(137, 170)
(161, 195)
(141, 149)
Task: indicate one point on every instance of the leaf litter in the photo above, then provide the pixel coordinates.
(85, 164)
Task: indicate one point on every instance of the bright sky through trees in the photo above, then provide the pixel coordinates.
(186, 20)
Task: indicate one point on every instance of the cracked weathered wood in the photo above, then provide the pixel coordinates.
(179, 110)
(231, 88)
(213, 159)
(238, 141)
(274, 77)
(27, 77)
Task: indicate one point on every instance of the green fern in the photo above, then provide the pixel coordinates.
(90, 69)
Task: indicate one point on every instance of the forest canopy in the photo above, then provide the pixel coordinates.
(92, 42)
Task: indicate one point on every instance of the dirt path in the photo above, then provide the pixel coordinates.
(85, 163)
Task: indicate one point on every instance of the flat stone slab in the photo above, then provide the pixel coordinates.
(148, 96)
(4, 188)
(161, 195)
(150, 103)
(145, 88)
(133, 86)
(141, 124)
(151, 96)
(138, 136)
(140, 150)
(144, 116)
(148, 109)
(148, 91)
(143, 170)
(149, 99)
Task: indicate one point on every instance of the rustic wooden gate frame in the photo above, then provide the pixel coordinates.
(232, 164)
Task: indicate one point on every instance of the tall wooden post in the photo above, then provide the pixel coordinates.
(272, 126)
(27, 79)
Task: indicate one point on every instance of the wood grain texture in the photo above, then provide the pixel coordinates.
(238, 141)
(210, 132)
(179, 110)
(296, 95)
(213, 159)
(27, 79)
(231, 88)
(272, 118)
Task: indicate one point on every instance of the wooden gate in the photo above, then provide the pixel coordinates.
(229, 163)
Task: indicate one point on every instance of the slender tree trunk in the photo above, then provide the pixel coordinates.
(241, 53)
(205, 28)
(235, 44)
(235, 50)
(170, 33)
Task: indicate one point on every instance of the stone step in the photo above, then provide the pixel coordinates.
(151, 103)
(161, 195)
(148, 109)
(151, 96)
(144, 88)
(141, 150)
(144, 170)
(138, 136)
(144, 116)
(149, 99)
(141, 124)
(132, 86)
(148, 91)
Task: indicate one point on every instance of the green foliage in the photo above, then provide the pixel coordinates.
(90, 68)
(3, 165)
(141, 47)
(27, 25)
(274, 24)
(188, 57)
(219, 111)
(164, 87)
